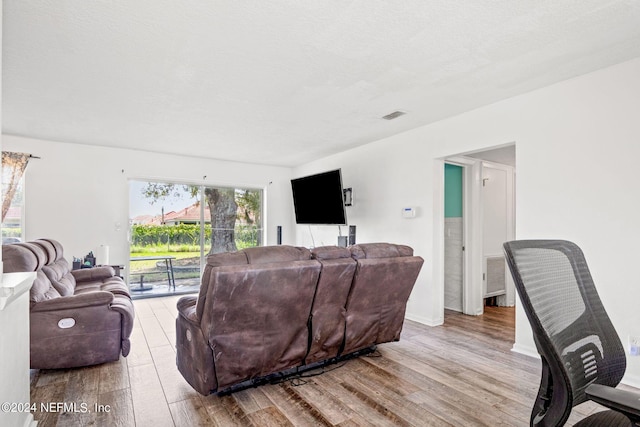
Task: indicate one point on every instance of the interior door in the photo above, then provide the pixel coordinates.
(495, 228)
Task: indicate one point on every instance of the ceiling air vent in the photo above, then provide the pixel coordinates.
(394, 115)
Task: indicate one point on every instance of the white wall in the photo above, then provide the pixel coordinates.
(577, 147)
(577, 151)
(77, 194)
(384, 180)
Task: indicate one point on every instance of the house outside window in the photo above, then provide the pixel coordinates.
(174, 226)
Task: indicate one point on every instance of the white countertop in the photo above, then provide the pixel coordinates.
(13, 285)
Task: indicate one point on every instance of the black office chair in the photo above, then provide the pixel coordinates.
(582, 356)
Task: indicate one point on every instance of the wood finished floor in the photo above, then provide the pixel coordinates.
(460, 374)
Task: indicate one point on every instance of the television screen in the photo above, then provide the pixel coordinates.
(318, 199)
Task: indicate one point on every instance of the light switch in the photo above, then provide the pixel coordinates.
(409, 212)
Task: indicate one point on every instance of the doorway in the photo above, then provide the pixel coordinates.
(474, 270)
(453, 236)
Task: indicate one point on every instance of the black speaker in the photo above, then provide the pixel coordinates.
(352, 235)
(279, 235)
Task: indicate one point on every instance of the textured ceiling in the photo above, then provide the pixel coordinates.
(286, 81)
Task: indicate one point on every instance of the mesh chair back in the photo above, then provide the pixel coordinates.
(575, 337)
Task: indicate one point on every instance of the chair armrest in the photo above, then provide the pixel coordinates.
(74, 301)
(95, 273)
(187, 309)
(622, 401)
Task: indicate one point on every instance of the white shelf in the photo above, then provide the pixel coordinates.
(13, 285)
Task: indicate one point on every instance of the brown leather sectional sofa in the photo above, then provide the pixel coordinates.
(266, 312)
(77, 318)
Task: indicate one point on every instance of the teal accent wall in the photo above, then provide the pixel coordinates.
(452, 191)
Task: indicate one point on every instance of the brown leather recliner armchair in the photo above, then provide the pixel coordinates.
(250, 318)
(77, 318)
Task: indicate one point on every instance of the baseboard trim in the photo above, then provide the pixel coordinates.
(425, 320)
(526, 350)
(631, 380)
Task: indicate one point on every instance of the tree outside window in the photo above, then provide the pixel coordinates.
(13, 167)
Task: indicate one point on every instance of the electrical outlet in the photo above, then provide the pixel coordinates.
(634, 346)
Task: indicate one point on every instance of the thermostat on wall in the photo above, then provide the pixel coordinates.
(409, 212)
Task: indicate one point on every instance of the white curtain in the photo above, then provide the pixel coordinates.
(13, 166)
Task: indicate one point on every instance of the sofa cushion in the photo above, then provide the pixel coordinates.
(48, 248)
(214, 261)
(116, 286)
(384, 278)
(93, 274)
(87, 287)
(256, 318)
(269, 254)
(330, 252)
(42, 289)
(22, 257)
(327, 320)
(379, 250)
(60, 277)
(227, 258)
(258, 255)
(57, 267)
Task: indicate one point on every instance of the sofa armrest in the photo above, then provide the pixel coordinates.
(187, 309)
(123, 305)
(74, 301)
(95, 273)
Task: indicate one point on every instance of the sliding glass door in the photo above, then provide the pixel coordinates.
(174, 226)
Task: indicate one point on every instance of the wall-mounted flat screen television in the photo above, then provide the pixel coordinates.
(318, 199)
